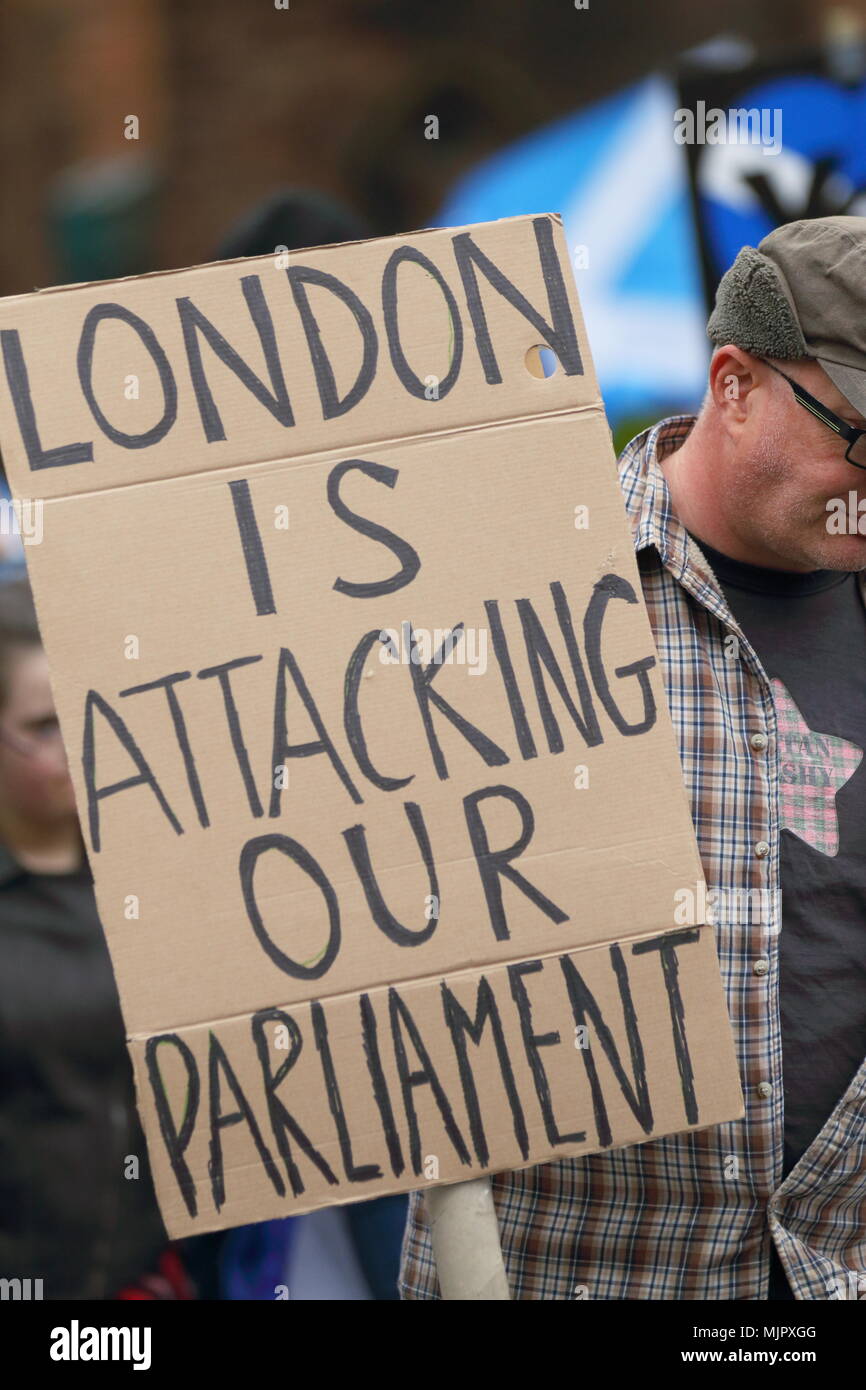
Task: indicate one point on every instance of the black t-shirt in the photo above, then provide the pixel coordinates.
(809, 631)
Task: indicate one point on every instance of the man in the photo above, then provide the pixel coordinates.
(745, 524)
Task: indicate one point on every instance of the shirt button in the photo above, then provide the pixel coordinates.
(761, 966)
(764, 1089)
(759, 742)
(762, 849)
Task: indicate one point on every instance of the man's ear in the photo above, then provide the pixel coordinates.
(731, 380)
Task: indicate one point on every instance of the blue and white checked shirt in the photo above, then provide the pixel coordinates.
(692, 1216)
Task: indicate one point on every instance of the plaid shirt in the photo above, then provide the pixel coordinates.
(692, 1216)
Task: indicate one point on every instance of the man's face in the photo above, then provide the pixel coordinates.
(789, 466)
(34, 776)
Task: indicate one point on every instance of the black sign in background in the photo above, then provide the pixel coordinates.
(728, 89)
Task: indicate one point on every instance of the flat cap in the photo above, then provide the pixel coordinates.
(801, 293)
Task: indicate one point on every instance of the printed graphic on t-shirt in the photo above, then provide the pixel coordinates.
(812, 767)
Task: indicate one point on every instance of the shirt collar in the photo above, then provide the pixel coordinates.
(655, 523)
(647, 495)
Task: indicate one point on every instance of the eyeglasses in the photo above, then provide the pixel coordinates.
(856, 451)
(46, 740)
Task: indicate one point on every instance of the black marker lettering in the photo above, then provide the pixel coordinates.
(356, 839)
(525, 741)
(234, 723)
(167, 683)
(583, 1004)
(218, 1061)
(353, 1173)
(560, 334)
(410, 562)
(422, 684)
(369, 1030)
(94, 701)
(94, 318)
(401, 1018)
(496, 864)
(538, 652)
(299, 277)
(194, 322)
(292, 849)
(281, 1120)
(532, 1042)
(252, 547)
(667, 948)
(19, 389)
(282, 749)
(412, 383)
(176, 1140)
(608, 587)
(460, 1024)
(352, 715)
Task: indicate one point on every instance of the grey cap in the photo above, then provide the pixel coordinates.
(802, 293)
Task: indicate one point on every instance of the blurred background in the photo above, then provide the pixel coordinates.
(155, 134)
(134, 136)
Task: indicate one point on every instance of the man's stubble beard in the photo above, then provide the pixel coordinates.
(797, 532)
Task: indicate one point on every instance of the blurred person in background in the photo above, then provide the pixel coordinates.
(74, 1212)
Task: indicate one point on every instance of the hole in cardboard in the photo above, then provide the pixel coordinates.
(541, 361)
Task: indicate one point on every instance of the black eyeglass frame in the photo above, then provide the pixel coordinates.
(823, 413)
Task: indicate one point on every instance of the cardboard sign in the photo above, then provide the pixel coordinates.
(366, 724)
